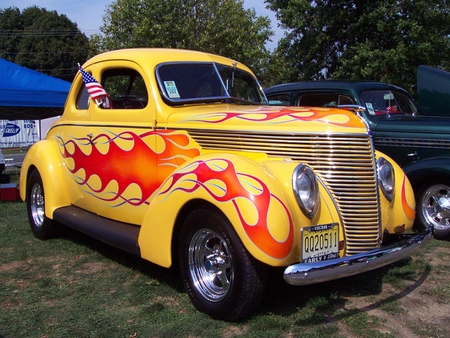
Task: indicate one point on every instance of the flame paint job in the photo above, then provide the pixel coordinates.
(220, 179)
(407, 209)
(284, 115)
(106, 155)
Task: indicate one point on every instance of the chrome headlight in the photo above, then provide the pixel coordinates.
(306, 190)
(386, 178)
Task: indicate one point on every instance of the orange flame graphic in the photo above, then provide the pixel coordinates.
(284, 115)
(140, 165)
(409, 212)
(197, 175)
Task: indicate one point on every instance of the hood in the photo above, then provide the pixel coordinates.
(266, 118)
(412, 124)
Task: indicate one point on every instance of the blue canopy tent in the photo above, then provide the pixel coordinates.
(26, 94)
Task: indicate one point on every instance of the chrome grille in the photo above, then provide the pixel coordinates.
(412, 142)
(344, 162)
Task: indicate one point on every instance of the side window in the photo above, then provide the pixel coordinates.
(323, 100)
(318, 100)
(345, 99)
(126, 88)
(279, 100)
(83, 98)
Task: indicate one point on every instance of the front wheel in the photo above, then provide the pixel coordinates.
(41, 226)
(218, 273)
(433, 208)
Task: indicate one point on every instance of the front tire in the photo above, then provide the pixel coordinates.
(433, 208)
(41, 226)
(222, 279)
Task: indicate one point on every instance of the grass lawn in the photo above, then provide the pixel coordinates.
(74, 286)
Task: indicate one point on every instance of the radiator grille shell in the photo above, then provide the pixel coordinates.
(345, 163)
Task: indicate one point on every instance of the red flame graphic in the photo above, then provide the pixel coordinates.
(259, 232)
(139, 165)
(409, 212)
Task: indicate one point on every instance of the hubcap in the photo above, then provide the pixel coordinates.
(210, 265)
(436, 206)
(37, 204)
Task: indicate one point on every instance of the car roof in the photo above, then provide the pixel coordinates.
(351, 85)
(159, 55)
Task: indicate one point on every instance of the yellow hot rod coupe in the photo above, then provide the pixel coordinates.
(175, 156)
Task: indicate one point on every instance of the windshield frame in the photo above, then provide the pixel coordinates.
(170, 92)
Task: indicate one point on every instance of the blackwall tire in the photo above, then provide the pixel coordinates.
(222, 279)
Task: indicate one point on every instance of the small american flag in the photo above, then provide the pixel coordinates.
(95, 90)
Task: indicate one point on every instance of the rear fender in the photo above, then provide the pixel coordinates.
(44, 157)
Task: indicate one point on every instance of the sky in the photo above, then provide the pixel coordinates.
(88, 14)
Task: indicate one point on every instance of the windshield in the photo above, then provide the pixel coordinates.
(386, 102)
(182, 83)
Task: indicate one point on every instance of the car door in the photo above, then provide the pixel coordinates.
(122, 166)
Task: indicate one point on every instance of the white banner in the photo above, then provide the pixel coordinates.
(18, 133)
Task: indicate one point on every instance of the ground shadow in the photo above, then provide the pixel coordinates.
(168, 276)
(283, 299)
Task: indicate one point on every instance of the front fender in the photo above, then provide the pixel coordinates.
(240, 188)
(400, 213)
(430, 167)
(260, 207)
(44, 156)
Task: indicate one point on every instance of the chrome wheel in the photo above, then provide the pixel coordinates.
(37, 205)
(210, 265)
(435, 206)
(41, 225)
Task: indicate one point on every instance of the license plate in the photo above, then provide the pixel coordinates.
(320, 243)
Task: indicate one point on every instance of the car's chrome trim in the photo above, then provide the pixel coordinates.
(311, 273)
(411, 142)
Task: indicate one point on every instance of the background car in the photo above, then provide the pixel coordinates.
(175, 156)
(420, 144)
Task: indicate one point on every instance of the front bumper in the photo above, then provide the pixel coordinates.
(311, 273)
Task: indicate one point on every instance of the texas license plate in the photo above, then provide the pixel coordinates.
(320, 243)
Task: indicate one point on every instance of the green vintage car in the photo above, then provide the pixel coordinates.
(420, 144)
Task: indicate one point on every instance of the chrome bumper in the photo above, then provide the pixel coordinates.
(311, 273)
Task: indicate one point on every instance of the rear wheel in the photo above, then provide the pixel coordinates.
(433, 207)
(41, 226)
(222, 279)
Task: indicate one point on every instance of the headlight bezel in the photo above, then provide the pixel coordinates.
(306, 190)
(386, 178)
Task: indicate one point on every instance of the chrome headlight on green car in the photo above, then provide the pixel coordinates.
(306, 190)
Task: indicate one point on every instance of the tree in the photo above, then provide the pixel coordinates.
(377, 40)
(42, 40)
(221, 27)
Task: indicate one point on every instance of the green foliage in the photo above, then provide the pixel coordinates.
(42, 40)
(376, 40)
(221, 27)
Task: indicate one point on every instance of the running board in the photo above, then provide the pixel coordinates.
(120, 235)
